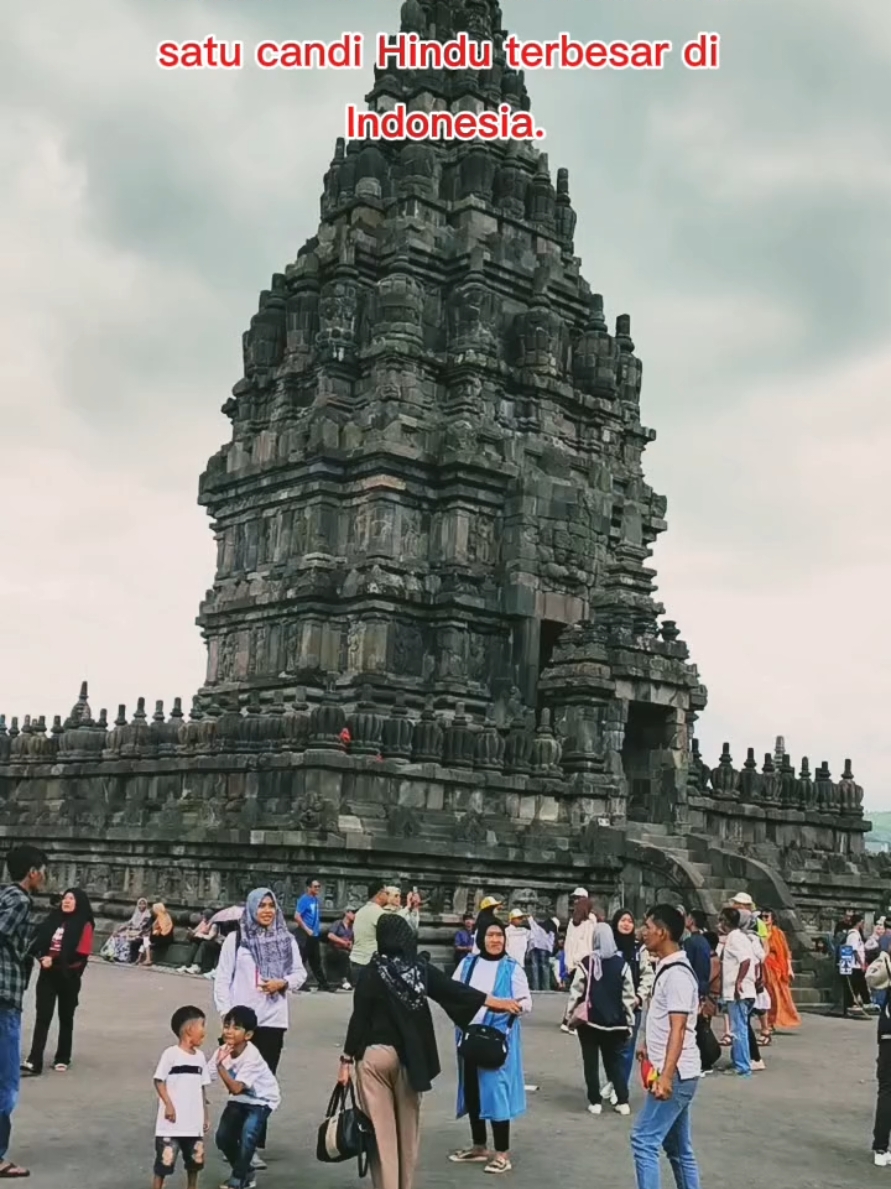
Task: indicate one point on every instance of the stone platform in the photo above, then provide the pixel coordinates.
(807, 1119)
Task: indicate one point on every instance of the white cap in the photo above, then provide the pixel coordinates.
(515, 913)
(580, 892)
(743, 898)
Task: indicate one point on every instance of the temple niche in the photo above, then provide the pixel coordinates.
(433, 638)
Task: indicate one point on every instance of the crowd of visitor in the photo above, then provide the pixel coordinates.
(642, 996)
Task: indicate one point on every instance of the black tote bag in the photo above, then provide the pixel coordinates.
(346, 1133)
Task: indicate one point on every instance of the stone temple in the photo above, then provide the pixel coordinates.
(434, 647)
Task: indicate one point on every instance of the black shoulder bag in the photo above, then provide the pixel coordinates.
(483, 1045)
(347, 1133)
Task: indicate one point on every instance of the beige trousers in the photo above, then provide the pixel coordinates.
(394, 1108)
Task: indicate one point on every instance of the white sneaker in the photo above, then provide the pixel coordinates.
(758, 1067)
(623, 1108)
(595, 1109)
(258, 1164)
(563, 1028)
(211, 974)
(882, 1159)
(194, 969)
(182, 970)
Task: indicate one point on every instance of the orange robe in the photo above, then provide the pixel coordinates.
(783, 1012)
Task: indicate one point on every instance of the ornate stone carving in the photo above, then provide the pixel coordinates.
(725, 778)
(435, 478)
(470, 828)
(545, 753)
(396, 737)
(402, 822)
(850, 793)
(427, 737)
(770, 781)
(327, 721)
(750, 780)
(804, 789)
(518, 748)
(365, 725)
(459, 743)
(489, 749)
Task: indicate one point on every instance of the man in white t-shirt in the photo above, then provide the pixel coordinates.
(670, 1056)
(253, 1095)
(738, 968)
(518, 938)
(180, 1080)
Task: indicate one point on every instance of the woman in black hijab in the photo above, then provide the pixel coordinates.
(625, 933)
(391, 1043)
(63, 944)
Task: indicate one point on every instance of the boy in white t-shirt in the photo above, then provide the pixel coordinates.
(180, 1081)
(253, 1094)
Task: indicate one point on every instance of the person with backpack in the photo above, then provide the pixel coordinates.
(603, 1002)
(259, 964)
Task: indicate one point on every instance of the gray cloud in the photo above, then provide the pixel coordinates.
(739, 215)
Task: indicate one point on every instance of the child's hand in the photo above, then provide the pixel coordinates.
(222, 1053)
(170, 1113)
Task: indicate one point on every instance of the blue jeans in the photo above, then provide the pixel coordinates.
(738, 1012)
(240, 1127)
(10, 1071)
(539, 970)
(666, 1125)
(630, 1048)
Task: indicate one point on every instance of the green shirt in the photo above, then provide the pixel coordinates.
(365, 933)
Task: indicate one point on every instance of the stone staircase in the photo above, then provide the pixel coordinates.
(812, 988)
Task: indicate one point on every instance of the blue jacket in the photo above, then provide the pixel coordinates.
(699, 955)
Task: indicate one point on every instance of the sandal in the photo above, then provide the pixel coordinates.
(499, 1164)
(469, 1156)
(726, 1040)
(765, 1041)
(10, 1171)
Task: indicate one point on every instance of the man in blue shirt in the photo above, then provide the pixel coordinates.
(464, 940)
(699, 955)
(698, 950)
(309, 928)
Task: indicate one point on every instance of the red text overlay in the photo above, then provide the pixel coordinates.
(407, 51)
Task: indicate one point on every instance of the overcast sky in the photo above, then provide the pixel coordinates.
(740, 216)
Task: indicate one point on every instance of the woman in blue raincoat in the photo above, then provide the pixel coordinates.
(495, 1096)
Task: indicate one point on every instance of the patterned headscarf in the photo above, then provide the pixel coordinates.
(272, 949)
(396, 962)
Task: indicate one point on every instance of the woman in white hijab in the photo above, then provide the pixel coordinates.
(602, 1003)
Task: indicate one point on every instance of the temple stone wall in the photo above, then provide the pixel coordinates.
(197, 811)
(433, 641)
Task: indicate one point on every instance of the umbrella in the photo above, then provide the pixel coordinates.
(234, 913)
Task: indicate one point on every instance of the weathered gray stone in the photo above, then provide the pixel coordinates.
(433, 642)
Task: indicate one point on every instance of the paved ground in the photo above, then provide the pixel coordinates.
(804, 1124)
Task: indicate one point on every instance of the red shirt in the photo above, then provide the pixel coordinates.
(81, 954)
